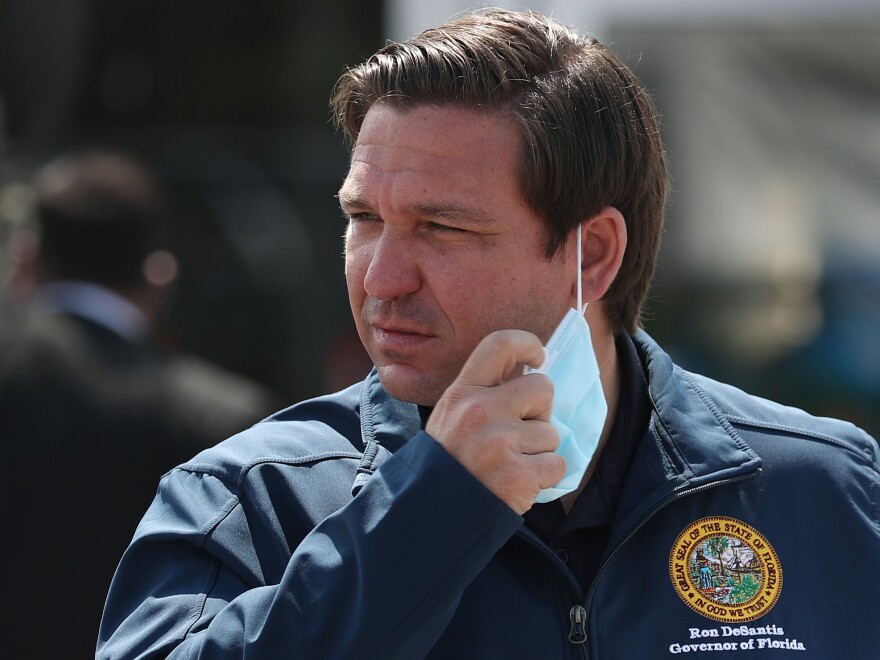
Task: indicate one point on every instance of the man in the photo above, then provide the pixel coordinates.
(91, 414)
(503, 170)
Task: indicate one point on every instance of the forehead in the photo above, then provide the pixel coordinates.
(435, 149)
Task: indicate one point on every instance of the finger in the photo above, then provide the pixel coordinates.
(524, 397)
(497, 354)
(529, 396)
(548, 468)
(538, 437)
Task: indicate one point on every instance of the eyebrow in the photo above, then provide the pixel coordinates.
(444, 210)
(453, 212)
(351, 200)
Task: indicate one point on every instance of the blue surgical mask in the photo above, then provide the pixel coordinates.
(579, 407)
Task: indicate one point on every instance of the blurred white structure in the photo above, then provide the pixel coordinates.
(405, 18)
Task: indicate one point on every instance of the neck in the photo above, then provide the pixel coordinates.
(609, 375)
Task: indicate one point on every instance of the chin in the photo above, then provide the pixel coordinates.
(410, 385)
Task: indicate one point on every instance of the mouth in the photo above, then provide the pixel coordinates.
(394, 339)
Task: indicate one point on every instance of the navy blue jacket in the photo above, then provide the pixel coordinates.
(338, 529)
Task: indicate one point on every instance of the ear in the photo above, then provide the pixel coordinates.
(603, 242)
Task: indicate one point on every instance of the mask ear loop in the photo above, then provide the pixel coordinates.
(581, 305)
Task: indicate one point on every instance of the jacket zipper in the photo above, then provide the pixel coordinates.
(577, 618)
(578, 633)
(579, 613)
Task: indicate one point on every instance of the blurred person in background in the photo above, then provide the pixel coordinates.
(92, 412)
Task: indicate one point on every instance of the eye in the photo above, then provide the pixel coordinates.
(361, 217)
(439, 227)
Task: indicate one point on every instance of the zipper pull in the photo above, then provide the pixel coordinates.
(578, 633)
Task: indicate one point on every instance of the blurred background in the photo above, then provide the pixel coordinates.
(769, 276)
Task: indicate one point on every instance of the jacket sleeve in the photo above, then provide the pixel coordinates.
(380, 578)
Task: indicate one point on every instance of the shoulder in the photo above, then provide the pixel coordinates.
(310, 432)
(777, 432)
(755, 417)
(285, 473)
(827, 467)
(25, 333)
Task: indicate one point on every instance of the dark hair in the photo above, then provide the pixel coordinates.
(98, 214)
(590, 138)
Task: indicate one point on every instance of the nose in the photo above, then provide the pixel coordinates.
(392, 271)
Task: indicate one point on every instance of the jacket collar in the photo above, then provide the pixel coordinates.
(689, 441)
(386, 424)
(700, 442)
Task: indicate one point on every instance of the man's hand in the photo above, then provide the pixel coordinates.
(495, 421)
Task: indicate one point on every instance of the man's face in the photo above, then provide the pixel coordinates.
(441, 250)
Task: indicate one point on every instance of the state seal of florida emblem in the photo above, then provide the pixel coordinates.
(725, 570)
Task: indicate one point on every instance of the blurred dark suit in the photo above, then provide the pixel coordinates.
(91, 415)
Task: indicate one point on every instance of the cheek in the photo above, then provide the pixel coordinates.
(357, 260)
(509, 299)
(475, 301)
(354, 282)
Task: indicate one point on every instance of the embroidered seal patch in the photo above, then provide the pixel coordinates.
(725, 570)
